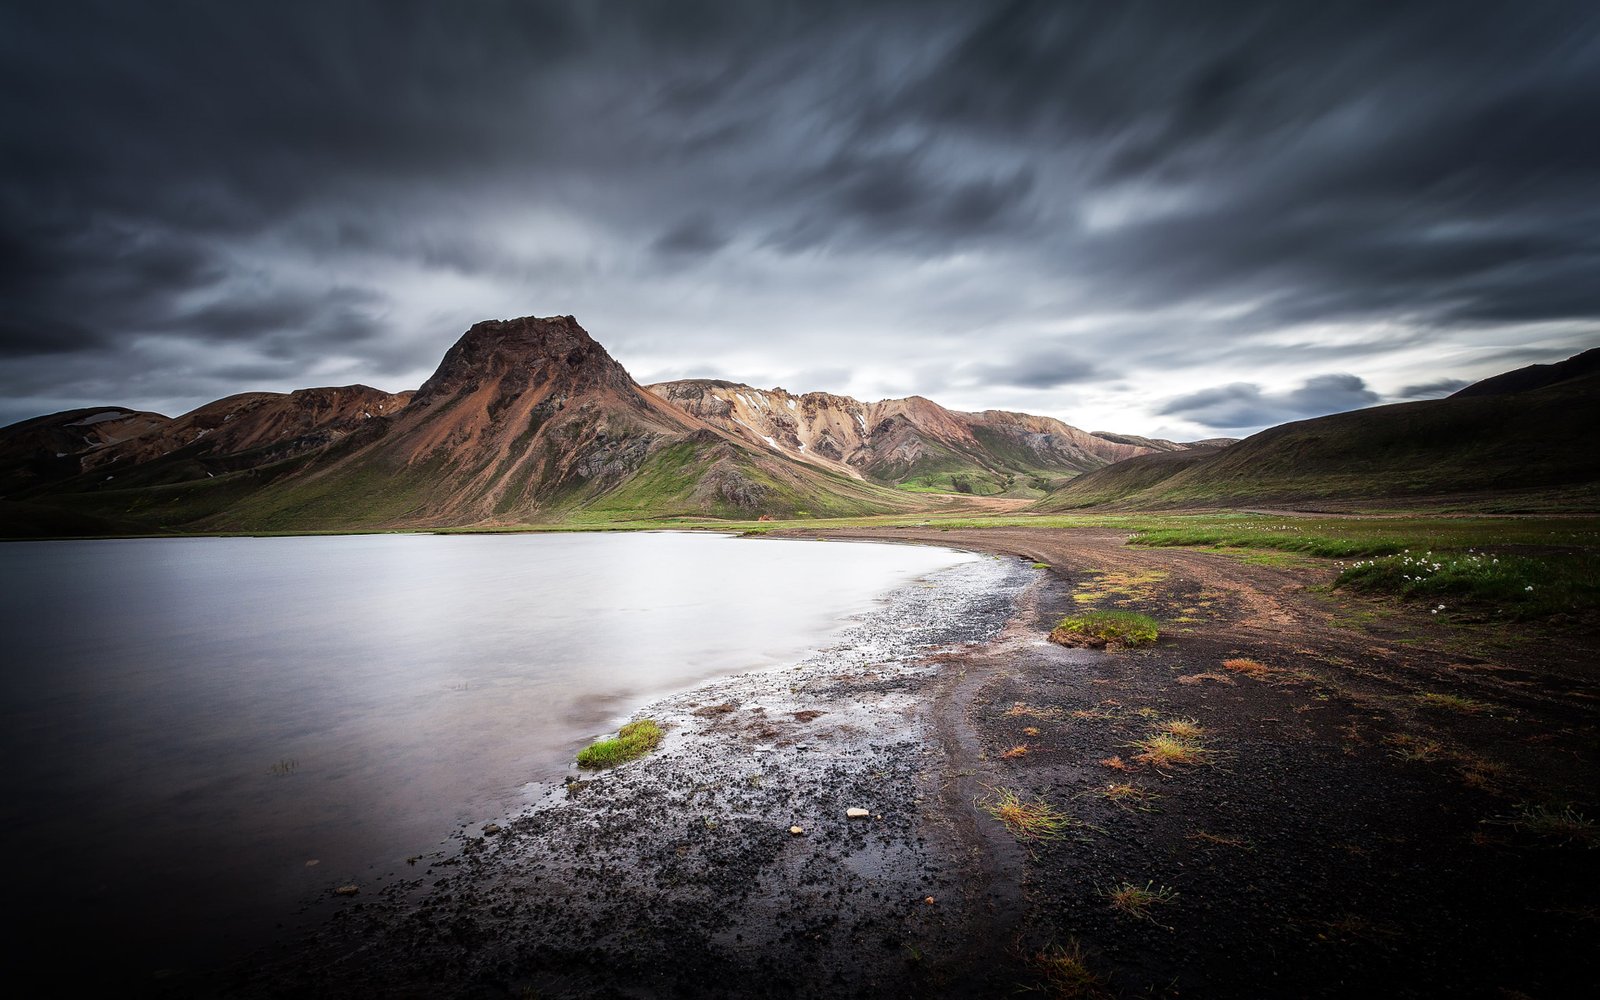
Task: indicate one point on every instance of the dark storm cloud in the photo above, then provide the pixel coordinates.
(1246, 405)
(272, 183)
(1040, 370)
(696, 237)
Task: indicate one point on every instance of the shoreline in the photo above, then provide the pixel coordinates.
(745, 758)
(676, 875)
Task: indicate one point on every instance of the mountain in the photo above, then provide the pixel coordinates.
(46, 450)
(1523, 441)
(913, 443)
(523, 420)
(531, 421)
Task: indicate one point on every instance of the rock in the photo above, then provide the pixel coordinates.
(854, 813)
(798, 831)
(491, 829)
(347, 890)
(929, 900)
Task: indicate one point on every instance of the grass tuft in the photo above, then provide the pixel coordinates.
(1451, 703)
(1183, 729)
(1559, 823)
(1100, 629)
(1138, 900)
(1250, 668)
(1166, 750)
(1028, 820)
(1129, 796)
(633, 740)
(1020, 750)
(1066, 974)
(1415, 748)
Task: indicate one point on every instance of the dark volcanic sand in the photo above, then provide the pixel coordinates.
(1347, 839)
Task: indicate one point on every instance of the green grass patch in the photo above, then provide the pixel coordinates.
(633, 740)
(1361, 537)
(1533, 586)
(1106, 628)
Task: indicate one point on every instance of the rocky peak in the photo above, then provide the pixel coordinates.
(528, 351)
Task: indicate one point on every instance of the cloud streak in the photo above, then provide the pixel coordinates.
(1079, 209)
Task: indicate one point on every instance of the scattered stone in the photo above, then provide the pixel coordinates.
(854, 813)
(313, 863)
(491, 829)
(798, 831)
(929, 900)
(347, 890)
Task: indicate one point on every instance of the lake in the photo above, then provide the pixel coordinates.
(201, 734)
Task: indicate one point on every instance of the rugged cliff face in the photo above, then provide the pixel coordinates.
(912, 442)
(530, 419)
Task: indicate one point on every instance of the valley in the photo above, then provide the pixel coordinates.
(1367, 719)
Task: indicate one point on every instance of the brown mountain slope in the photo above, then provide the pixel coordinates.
(39, 453)
(912, 442)
(525, 419)
(254, 428)
(1513, 450)
(531, 419)
(247, 431)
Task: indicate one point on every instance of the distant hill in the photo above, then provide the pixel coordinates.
(912, 443)
(1535, 376)
(1521, 440)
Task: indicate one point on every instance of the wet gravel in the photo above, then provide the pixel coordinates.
(677, 875)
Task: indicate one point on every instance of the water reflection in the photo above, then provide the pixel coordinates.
(188, 722)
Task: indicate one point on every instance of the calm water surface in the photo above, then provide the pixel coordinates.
(189, 723)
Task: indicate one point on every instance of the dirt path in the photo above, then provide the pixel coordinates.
(1386, 806)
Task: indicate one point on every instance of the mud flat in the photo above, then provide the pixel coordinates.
(1377, 807)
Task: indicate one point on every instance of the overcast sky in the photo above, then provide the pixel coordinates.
(1185, 219)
